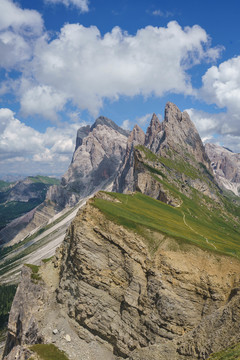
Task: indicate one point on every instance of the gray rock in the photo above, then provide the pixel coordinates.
(99, 151)
(226, 167)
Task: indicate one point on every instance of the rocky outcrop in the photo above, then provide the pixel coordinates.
(125, 181)
(226, 167)
(181, 136)
(171, 152)
(107, 289)
(99, 151)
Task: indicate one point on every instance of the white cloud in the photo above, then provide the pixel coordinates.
(221, 128)
(42, 100)
(80, 4)
(22, 147)
(221, 85)
(126, 124)
(20, 20)
(18, 29)
(161, 13)
(84, 67)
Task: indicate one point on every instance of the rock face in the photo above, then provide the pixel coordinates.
(124, 181)
(171, 151)
(226, 167)
(99, 151)
(181, 136)
(109, 293)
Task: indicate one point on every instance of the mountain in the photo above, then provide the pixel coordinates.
(226, 167)
(171, 153)
(98, 153)
(21, 197)
(148, 272)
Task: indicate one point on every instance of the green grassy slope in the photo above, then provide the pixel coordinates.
(191, 222)
(232, 353)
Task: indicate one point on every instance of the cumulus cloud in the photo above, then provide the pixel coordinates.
(83, 5)
(53, 148)
(84, 67)
(221, 85)
(219, 128)
(42, 100)
(18, 27)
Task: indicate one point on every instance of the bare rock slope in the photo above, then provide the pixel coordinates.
(226, 167)
(114, 299)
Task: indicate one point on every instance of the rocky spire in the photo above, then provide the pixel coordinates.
(124, 181)
(136, 137)
(181, 135)
(153, 129)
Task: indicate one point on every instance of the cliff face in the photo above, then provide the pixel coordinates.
(116, 299)
(226, 167)
(98, 153)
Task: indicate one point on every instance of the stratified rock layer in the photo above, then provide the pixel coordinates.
(178, 303)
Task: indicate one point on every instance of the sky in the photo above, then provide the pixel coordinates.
(63, 63)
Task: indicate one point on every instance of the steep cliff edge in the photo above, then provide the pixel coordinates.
(124, 292)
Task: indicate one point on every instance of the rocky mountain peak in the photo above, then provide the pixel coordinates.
(136, 136)
(154, 134)
(99, 151)
(181, 135)
(102, 120)
(153, 129)
(172, 113)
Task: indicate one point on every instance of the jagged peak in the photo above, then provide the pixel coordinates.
(172, 113)
(136, 136)
(154, 123)
(153, 129)
(102, 120)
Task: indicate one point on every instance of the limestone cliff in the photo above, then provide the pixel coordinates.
(226, 167)
(116, 299)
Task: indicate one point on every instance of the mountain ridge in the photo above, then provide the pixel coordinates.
(150, 271)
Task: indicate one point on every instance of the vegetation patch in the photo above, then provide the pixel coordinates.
(48, 352)
(35, 269)
(47, 260)
(232, 353)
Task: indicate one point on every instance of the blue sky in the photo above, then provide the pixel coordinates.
(64, 62)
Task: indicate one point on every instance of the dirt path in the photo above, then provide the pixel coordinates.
(206, 239)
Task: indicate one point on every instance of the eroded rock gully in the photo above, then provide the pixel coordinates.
(117, 300)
